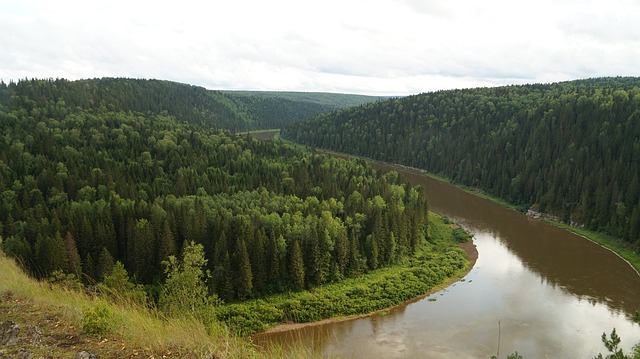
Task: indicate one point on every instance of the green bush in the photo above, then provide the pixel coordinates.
(460, 235)
(98, 320)
(68, 281)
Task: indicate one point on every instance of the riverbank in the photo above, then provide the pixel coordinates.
(617, 245)
(468, 247)
(437, 259)
(614, 244)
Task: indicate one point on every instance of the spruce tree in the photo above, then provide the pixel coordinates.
(244, 276)
(296, 269)
(105, 264)
(72, 258)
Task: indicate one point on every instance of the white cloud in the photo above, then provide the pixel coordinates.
(377, 47)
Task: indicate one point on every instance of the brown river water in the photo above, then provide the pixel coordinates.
(535, 289)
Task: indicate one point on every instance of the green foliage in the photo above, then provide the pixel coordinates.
(570, 150)
(18, 248)
(50, 254)
(230, 110)
(611, 343)
(117, 286)
(278, 109)
(68, 281)
(72, 258)
(244, 275)
(184, 292)
(154, 183)
(297, 267)
(460, 235)
(98, 319)
(128, 170)
(377, 290)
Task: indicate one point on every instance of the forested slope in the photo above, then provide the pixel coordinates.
(278, 109)
(84, 184)
(569, 149)
(228, 110)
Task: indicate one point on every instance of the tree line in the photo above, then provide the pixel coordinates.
(85, 188)
(227, 110)
(570, 149)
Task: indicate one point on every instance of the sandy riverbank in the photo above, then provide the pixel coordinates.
(472, 255)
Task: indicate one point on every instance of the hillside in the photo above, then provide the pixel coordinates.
(41, 320)
(570, 150)
(278, 109)
(228, 110)
(92, 193)
(133, 188)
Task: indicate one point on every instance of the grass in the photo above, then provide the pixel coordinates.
(132, 330)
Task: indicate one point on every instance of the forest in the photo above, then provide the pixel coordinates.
(227, 110)
(86, 187)
(570, 150)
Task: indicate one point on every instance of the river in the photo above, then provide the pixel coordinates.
(535, 289)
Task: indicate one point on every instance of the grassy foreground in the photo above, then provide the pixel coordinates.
(51, 321)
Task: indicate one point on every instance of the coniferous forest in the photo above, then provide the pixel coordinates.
(570, 150)
(86, 183)
(227, 110)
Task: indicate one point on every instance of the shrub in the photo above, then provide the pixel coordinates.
(460, 235)
(68, 281)
(98, 320)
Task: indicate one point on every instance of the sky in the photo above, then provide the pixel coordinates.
(373, 47)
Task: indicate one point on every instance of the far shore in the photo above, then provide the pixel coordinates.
(472, 255)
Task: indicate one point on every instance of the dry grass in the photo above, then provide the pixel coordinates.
(134, 331)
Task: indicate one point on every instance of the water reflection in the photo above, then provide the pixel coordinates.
(561, 258)
(552, 292)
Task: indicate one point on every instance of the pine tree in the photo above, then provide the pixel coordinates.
(296, 269)
(72, 258)
(118, 286)
(228, 292)
(372, 252)
(166, 244)
(257, 258)
(144, 251)
(50, 253)
(89, 267)
(356, 261)
(244, 277)
(105, 264)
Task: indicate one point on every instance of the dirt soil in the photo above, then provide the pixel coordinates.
(42, 332)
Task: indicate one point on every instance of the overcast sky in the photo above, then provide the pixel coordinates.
(378, 47)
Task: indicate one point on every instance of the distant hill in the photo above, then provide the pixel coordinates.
(282, 108)
(228, 110)
(570, 149)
